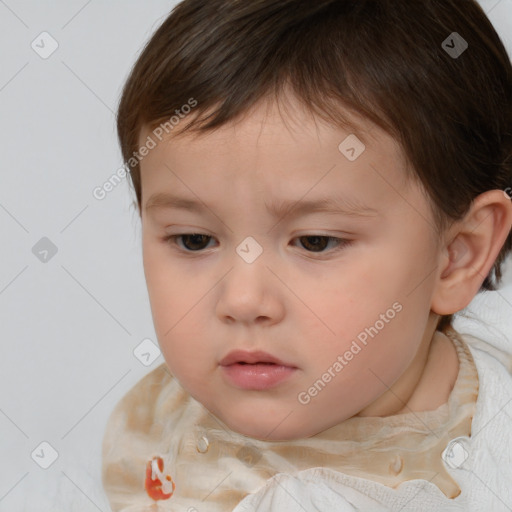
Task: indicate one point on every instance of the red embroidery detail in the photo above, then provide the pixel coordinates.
(154, 476)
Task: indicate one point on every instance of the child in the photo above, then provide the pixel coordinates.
(299, 377)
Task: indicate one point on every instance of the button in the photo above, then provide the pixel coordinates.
(456, 453)
(203, 444)
(396, 466)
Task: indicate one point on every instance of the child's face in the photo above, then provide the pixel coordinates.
(346, 320)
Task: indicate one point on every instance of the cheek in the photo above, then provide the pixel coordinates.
(184, 346)
(369, 313)
(175, 300)
(172, 290)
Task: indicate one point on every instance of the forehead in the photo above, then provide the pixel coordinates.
(284, 152)
(275, 122)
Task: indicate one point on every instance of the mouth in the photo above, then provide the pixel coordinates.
(252, 358)
(259, 362)
(255, 371)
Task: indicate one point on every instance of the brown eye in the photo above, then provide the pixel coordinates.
(315, 243)
(318, 243)
(191, 242)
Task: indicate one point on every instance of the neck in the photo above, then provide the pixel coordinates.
(427, 382)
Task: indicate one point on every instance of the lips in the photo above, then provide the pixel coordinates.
(243, 356)
(256, 371)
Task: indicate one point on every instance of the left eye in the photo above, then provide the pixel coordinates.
(319, 242)
(196, 242)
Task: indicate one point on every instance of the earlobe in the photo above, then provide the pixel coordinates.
(467, 259)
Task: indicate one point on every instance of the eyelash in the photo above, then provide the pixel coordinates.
(171, 241)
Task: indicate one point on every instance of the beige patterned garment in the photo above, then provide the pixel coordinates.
(214, 468)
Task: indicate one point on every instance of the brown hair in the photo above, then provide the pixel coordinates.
(387, 60)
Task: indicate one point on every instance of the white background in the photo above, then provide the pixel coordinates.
(68, 327)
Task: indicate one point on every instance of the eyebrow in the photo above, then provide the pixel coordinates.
(332, 205)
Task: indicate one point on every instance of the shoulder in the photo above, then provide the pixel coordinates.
(487, 452)
(325, 490)
(133, 434)
(494, 368)
(136, 410)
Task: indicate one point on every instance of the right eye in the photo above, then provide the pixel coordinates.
(193, 240)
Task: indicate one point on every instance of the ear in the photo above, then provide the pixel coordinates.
(470, 249)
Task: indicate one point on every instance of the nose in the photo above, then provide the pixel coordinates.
(250, 293)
